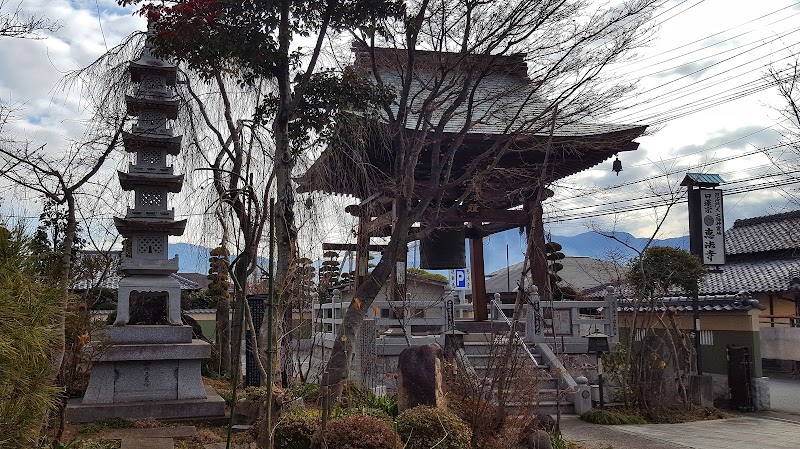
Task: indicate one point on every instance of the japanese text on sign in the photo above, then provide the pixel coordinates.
(713, 228)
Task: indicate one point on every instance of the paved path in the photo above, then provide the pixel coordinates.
(149, 438)
(734, 433)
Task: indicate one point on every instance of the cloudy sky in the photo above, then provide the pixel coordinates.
(702, 91)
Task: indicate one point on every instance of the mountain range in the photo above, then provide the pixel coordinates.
(194, 258)
(587, 244)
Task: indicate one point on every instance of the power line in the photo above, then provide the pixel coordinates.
(638, 61)
(673, 172)
(641, 104)
(680, 199)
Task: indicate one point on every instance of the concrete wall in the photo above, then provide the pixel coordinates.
(715, 357)
(739, 328)
(780, 342)
(419, 289)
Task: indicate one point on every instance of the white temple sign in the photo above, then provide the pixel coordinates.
(713, 227)
(558, 321)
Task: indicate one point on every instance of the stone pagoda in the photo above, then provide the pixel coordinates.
(149, 366)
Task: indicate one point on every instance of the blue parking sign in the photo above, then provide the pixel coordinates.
(460, 279)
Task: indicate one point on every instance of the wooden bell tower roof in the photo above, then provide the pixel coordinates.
(505, 111)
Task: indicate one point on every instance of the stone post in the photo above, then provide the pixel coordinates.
(612, 315)
(534, 324)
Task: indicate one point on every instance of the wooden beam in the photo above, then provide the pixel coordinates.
(377, 227)
(350, 247)
(475, 213)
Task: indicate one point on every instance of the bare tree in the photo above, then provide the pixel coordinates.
(787, 81)
(62, 178)
(15, 23)
(633, 366)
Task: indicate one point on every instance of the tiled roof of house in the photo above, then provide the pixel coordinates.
(767, 233)
(757, 276)
(721, 303)
(581, 273)
(111, 281)
(753, 276)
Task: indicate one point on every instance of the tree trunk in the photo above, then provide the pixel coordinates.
(223, 337)
(64, 278)
(338, 366)
(240, 295)
(285, 229)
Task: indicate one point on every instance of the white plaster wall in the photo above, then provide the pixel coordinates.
(780, 343)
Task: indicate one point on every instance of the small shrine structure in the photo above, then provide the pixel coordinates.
(511, 191)
(149, 367)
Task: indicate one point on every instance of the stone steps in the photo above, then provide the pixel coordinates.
(478, 348)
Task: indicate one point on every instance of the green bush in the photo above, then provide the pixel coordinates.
(425, 427)
(368, 411)
(387, 404)
(597, 416)
(358, 432)
(296, 431)
(27, 335)
(309, 392)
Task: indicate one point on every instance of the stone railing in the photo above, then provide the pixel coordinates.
(565, 324)
(397, 324)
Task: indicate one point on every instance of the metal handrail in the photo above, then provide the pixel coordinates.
(463, 361)
(514, 333)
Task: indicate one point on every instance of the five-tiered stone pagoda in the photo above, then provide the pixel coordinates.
(149, 369)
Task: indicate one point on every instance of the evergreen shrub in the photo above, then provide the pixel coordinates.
(425, 427)
(358, 432)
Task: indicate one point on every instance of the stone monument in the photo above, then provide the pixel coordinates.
(149, 369)
(420, 377)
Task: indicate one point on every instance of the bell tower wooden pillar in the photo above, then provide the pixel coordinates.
(538, 255)
(476, 265)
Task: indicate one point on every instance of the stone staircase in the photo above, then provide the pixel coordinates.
(532, 387)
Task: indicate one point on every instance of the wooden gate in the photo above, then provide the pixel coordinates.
(740, 378)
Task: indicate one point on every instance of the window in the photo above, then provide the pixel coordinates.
(707, 338)
(151, 157)
(153, 83)
(151, 198)
(395, 313)
(419, 313)
(151, 120)
(150, 245)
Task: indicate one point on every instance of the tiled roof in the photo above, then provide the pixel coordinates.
(582, 273)
(112, 282)
(753, 276)
(723, 303)
(701, 178)
(502, 105)
(767, 233)
(758, 276)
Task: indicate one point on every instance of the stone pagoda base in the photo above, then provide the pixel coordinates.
(147, 372)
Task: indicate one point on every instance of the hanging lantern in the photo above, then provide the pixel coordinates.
(617, 167)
